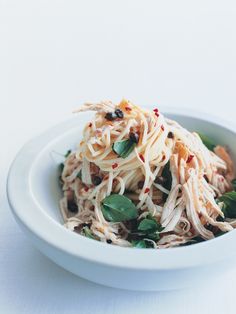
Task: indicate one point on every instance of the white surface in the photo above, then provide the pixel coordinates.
(56, 54)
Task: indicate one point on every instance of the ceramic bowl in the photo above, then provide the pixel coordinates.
(34, 193)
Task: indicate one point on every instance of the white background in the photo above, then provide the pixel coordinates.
(54, 55)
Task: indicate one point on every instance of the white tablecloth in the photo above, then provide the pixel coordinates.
(56, 54)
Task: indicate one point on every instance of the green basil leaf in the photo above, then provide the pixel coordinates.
(167, 175)
(137, 236)
(149, 225)
(229, 207)
(209, 143)
(234, 184)
(153, 236)
(229, 211)
(67, 153)
(229, 196)
(87, 233)
(220, 218)
(194, 240)
(79, 175)
(220, 233)
(142, 244)
(198, 239)
(117, 208)
(139, 243)
(123, 148)
(61, 167)
(149, 228)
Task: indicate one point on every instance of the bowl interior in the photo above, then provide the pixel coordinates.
(34, 193)
(44, 174)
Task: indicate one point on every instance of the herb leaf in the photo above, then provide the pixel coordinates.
(228, 196)
(87, 233)
(142, 244)
(123, 148)
(229, 200)
(220, 233)
(194, 240)
(61, 167)
(149, 225)
(139, 243)
(60, 170)
(166, 174)
(117, 208)
(79, 175)
(209, 143)
(67, 153)
(197, 239)
(148, 228)
(153, 236)
(234, 184)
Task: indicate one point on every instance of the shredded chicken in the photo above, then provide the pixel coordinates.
(182, 205)
(223, 154)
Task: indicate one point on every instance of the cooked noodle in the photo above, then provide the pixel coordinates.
(186, 209)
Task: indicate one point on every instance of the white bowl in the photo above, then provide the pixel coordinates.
(34, 193)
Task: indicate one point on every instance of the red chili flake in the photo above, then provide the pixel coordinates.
(157, 114)
(162, 127)
(90, 124)
(146, 190)
(155, 110)
(86, 189)
(163, 158)
(128, 109)
(190, 157)
(222, 179)
(142, 158)
(115, 165)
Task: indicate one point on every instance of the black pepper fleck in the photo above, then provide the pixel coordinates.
(72, 207)
(96, 180)
(206, 178)
(109, 241)
(119, 113)
(110, 116)
(78, 228)
(86, 224)
(134, 137)
(131, 224)
(170, 135)
(140, 184)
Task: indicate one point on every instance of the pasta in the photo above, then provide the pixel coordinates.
(140, 179)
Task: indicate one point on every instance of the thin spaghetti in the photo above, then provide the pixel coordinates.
(186, 209)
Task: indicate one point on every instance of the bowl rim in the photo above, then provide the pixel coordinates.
(54, 234)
